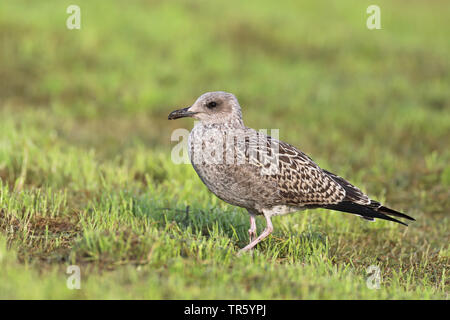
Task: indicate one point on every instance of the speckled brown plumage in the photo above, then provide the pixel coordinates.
(266, 176)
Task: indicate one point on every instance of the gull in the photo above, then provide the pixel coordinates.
(266, 176)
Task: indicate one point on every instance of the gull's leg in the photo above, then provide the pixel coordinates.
(252, 230)
(268, 230)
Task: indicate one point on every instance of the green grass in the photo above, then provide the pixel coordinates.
(85, 171)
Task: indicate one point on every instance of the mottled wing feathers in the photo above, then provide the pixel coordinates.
(352, 193)
(301, 182)
(297, 182)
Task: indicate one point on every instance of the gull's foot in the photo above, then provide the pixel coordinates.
(248, 248)
(252, 236)
(244, 250)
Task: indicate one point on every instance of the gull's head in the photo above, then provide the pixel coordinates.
(212, 107)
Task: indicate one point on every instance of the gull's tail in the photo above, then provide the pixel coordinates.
(370, 212)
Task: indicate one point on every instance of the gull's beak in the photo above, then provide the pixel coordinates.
(181, 113)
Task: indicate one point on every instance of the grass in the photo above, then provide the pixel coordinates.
(85, 172)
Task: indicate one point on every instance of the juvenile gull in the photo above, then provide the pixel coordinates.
(264, 175)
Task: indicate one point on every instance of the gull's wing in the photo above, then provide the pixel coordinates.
(302, 183)
(352, 193)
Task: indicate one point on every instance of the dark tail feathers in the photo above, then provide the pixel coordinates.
(370, 212)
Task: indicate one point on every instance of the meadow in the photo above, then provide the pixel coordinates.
(86, 176)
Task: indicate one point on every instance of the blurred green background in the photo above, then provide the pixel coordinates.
(85, 169)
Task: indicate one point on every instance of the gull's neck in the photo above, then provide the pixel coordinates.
(234, 123)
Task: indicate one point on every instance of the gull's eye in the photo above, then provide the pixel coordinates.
(211, 104)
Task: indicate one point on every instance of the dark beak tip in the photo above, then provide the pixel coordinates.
(180, 114)
(172, 115)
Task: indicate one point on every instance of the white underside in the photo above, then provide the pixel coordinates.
(282, 210)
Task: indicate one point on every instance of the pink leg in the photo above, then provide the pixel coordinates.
(262, 236)
(252, 230)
